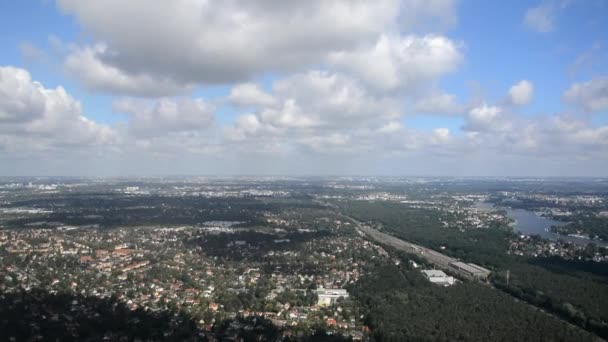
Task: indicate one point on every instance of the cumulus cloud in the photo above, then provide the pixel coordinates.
(335, 98)
(33, 117)
(400, 62)
(31, 52)
(343, 123)
(328, 113)
(223, 41)
(485, 118)
(250, 94)
(440, 13)
(330, 143)
(391, 127)
(317, 112)
(521, 93)
(86, 65)
(441, 133)
(21, 99)
(541, 18)
(315, 100)
(344, 76)
(217, 42)
(440, 103)
(592, 96)
(166, 116)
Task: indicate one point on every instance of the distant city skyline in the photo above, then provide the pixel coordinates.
(338, 87)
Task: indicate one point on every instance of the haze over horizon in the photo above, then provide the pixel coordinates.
(318, 87)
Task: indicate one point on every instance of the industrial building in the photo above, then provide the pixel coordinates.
(471, 270)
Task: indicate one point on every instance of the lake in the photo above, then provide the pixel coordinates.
(528, 223)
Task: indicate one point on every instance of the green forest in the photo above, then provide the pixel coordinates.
(575, 291)
(595, 227)
(401, 306)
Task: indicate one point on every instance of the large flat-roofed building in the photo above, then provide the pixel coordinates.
(439, 277)
(330, 296)
(471, 270)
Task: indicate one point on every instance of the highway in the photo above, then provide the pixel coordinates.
(440, 260)
(434, 257)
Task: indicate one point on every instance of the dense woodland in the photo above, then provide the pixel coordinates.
(579, 296)
(401, 306)
(424, 226)
(111, 210)
(575, 291)
(595, 227)
(257, 244)
(41, 316)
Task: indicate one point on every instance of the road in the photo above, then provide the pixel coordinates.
(432, 256)
(440, 260)
(436, 258)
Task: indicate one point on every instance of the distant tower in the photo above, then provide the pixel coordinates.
(508, 274)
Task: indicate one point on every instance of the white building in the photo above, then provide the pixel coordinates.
(330, 296)
(439, 277)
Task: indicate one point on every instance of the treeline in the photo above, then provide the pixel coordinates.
(576, 291)
(400, 305)
(39, 315)
(577, 295)
(30, 316)
(595, 227)
(112, 210)
(425, 227)
(251, 244)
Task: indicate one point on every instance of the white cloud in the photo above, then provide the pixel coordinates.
(166, 116)
(400, 62)
(438, 104)
(486, 118)
(87, 65)
(335, 98)
(21, 99)
(315, 100)
(587, 60)
(440, 13)
(177, 44)
(245, 125)
(31, 52)
(289, 115)
(391, 127)
(316, 108)
(521, 93)
(370, 73)
(441, 133)
(35, 118)
(592, 95)
(224, 41)
(541, 18)
(250, 94)
(330, 143)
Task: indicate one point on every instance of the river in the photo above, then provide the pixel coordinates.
(529, 223)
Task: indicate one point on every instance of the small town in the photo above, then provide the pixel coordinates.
(297, 286)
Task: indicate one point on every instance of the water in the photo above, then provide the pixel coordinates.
(529, 223)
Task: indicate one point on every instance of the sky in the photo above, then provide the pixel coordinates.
(315, 87)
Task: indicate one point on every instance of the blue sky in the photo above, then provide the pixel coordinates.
(491, 46)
